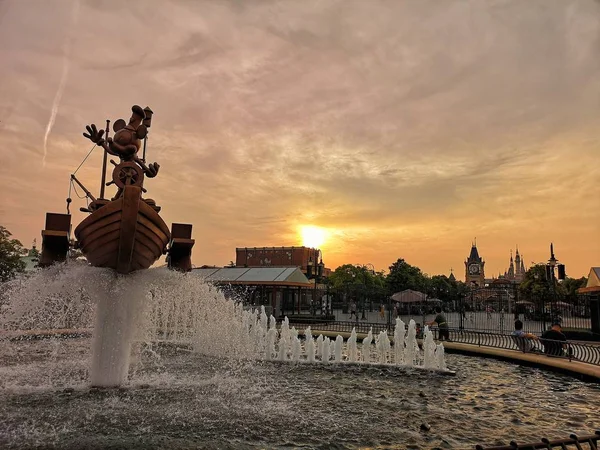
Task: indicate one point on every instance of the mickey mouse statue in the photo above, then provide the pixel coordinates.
(127, 139)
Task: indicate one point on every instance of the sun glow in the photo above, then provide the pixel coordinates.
(313, 236)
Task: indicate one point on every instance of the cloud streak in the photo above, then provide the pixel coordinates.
(63, 78)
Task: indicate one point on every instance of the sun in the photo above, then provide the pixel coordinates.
(313, 236)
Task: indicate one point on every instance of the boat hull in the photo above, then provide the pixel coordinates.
(125, 235)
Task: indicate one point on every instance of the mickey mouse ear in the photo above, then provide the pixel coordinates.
(119, 125)
(141, 131)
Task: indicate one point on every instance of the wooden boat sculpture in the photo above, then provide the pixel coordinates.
(126, 232)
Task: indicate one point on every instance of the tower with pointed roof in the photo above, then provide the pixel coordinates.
(523, 270)
(474, 267)
(452, 277)
(519, 267)
(511, 268)
(516, 269)
(33, 257)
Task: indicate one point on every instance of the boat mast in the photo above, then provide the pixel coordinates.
(147, 122)
(104, 158)
(144, 154)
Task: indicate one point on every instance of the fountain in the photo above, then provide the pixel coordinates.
(205, 371)
(162, 306)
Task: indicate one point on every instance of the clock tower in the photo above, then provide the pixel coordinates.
(474, 273)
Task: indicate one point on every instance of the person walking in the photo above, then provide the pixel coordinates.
(353, 310)
(488, 310)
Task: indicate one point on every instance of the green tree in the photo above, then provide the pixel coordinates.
(351, 274)
(570, 286)
(359, 282)
(404, 276)
(11, 251)
(441, 287)
(537, 288)
(460, 288)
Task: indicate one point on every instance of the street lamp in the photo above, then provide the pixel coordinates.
(364, 267)
(318, 273)
(551, 276)
(551, 264)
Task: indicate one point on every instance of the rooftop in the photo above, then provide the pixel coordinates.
(273, 276)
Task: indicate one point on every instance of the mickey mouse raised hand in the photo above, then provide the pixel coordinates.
(95, 135)
(127, 139)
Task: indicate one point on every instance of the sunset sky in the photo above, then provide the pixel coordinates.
(400, 128)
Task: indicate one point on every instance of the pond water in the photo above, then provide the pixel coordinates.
(179, 399)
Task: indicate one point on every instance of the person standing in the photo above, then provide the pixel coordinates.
(440, 320)
(382, 312)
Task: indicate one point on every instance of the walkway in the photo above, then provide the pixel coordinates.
(493, 322)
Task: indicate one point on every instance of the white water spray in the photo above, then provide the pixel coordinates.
(352, 347)
(399, 341)
(339, 345)
(366, 347)
(159, 305)
(114, 329)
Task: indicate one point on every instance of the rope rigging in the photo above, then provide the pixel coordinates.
(84, 159)
(72, 186)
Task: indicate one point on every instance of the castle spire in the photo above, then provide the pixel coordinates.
(511, 268)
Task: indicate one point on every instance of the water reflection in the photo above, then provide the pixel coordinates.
(178, 399)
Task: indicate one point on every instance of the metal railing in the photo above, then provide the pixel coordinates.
(571, 350)
(567, 350)
(573, 441)
(578, 328)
